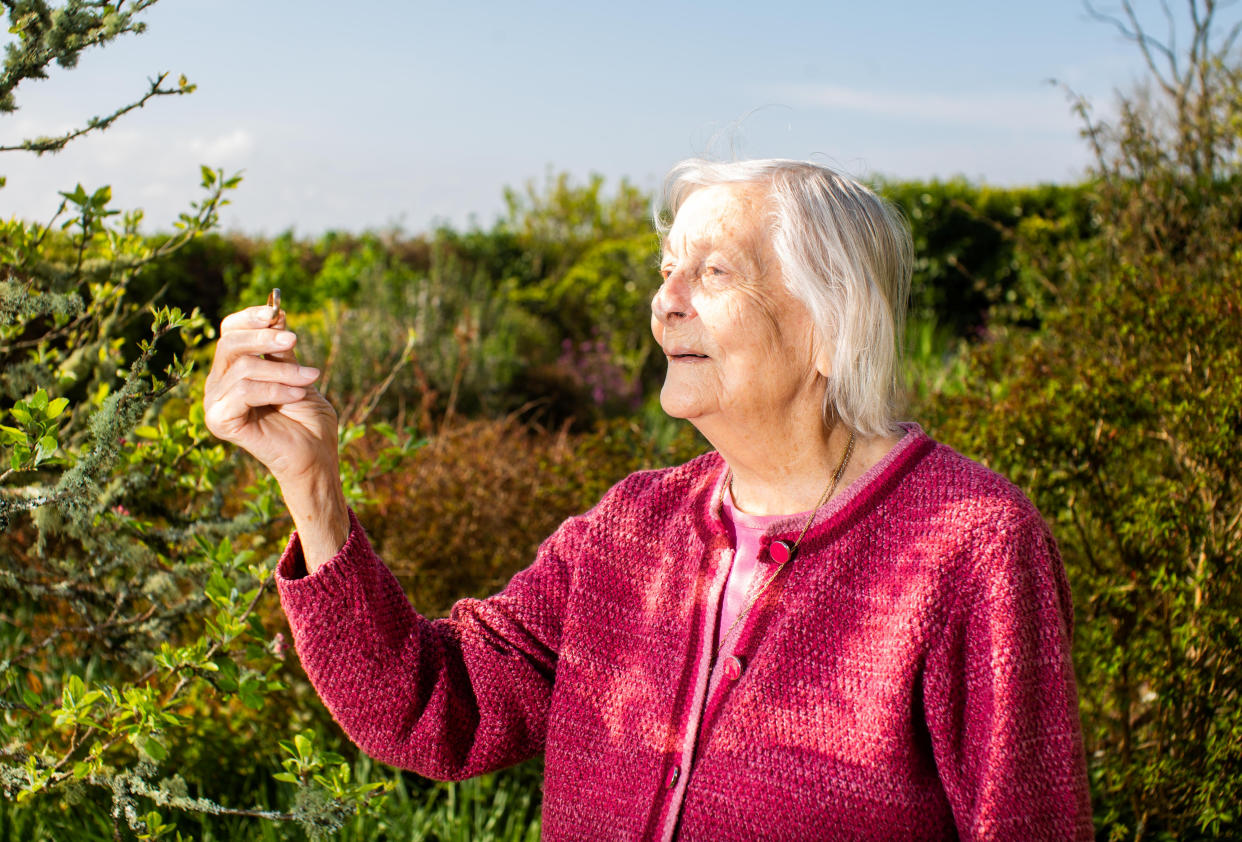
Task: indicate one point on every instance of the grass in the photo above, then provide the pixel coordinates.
(500, 807)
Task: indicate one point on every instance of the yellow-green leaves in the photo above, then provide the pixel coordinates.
(34, 441)
(76, 704)
(309, 763)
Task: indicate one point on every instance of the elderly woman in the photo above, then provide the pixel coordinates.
(830, 627)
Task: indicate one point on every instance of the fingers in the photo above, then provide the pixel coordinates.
(253, 382)
(257, 319)
(239, 343)
(254, 366)
(249, 319)
(283, 356)
(247, 333)
(256, 369)
(252, 393)
(229, 415)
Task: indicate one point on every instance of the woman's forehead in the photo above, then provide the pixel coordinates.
(728, 217)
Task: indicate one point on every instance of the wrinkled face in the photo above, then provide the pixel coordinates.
(739, 345)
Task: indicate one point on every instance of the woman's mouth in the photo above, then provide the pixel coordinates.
(684, 354)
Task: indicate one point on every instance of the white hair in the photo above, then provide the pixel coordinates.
(847, 255)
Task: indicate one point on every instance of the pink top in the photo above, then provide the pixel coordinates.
(746, 531)
(750, 567)
(906, 676)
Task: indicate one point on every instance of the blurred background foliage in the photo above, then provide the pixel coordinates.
(1081, 339)
(547, 311)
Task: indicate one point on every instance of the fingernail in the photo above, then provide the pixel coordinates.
(266, 315)
(308, 371)
(285, 338)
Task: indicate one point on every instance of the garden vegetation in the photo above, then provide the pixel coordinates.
(1084, 340)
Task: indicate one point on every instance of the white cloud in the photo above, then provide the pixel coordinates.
(1040, 109)
(152, 169)
(24, 128)
(119, 147)
(226, 149)
(157, 191)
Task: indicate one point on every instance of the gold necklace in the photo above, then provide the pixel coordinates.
(782, 552)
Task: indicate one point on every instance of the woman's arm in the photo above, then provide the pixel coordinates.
(320, 515)
(1000, 696)
(449, 698)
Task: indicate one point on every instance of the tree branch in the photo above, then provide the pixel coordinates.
(41, 145)
(88, 629)
(61, 41)
(1146, 44)
(1227, 44)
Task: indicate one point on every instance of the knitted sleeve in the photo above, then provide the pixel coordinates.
(1000, 698)
(448, 698)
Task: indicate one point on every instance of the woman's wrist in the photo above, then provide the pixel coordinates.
(320, 515)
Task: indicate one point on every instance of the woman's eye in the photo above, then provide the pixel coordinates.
(713, 271)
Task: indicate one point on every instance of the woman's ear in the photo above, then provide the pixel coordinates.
(821, 355)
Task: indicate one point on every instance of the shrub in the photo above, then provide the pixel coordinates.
(131, 646)
(1121, 417)
(967, 240)
(472, 507)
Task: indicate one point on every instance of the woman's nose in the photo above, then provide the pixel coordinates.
(672, 300)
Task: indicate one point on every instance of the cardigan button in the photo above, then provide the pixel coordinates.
(733, 668)
(780, 551)
(673, 775)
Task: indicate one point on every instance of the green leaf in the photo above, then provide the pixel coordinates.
(154, 749)
(74, 688)
(77, 196)
(386, 431)
(56, 407)
(226, 677)
(217, 588)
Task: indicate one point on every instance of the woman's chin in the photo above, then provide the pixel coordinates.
(677, 404)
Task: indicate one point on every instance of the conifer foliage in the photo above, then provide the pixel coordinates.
(128, 603)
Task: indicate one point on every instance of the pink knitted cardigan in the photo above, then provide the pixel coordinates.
(907, 675)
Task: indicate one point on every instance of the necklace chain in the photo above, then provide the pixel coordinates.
(793, 551)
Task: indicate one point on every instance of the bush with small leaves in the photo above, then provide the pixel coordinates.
(132, 573)
(1122, 417)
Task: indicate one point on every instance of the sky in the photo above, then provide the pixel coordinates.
(373, 114)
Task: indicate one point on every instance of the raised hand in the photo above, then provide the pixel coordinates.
(258, 397)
